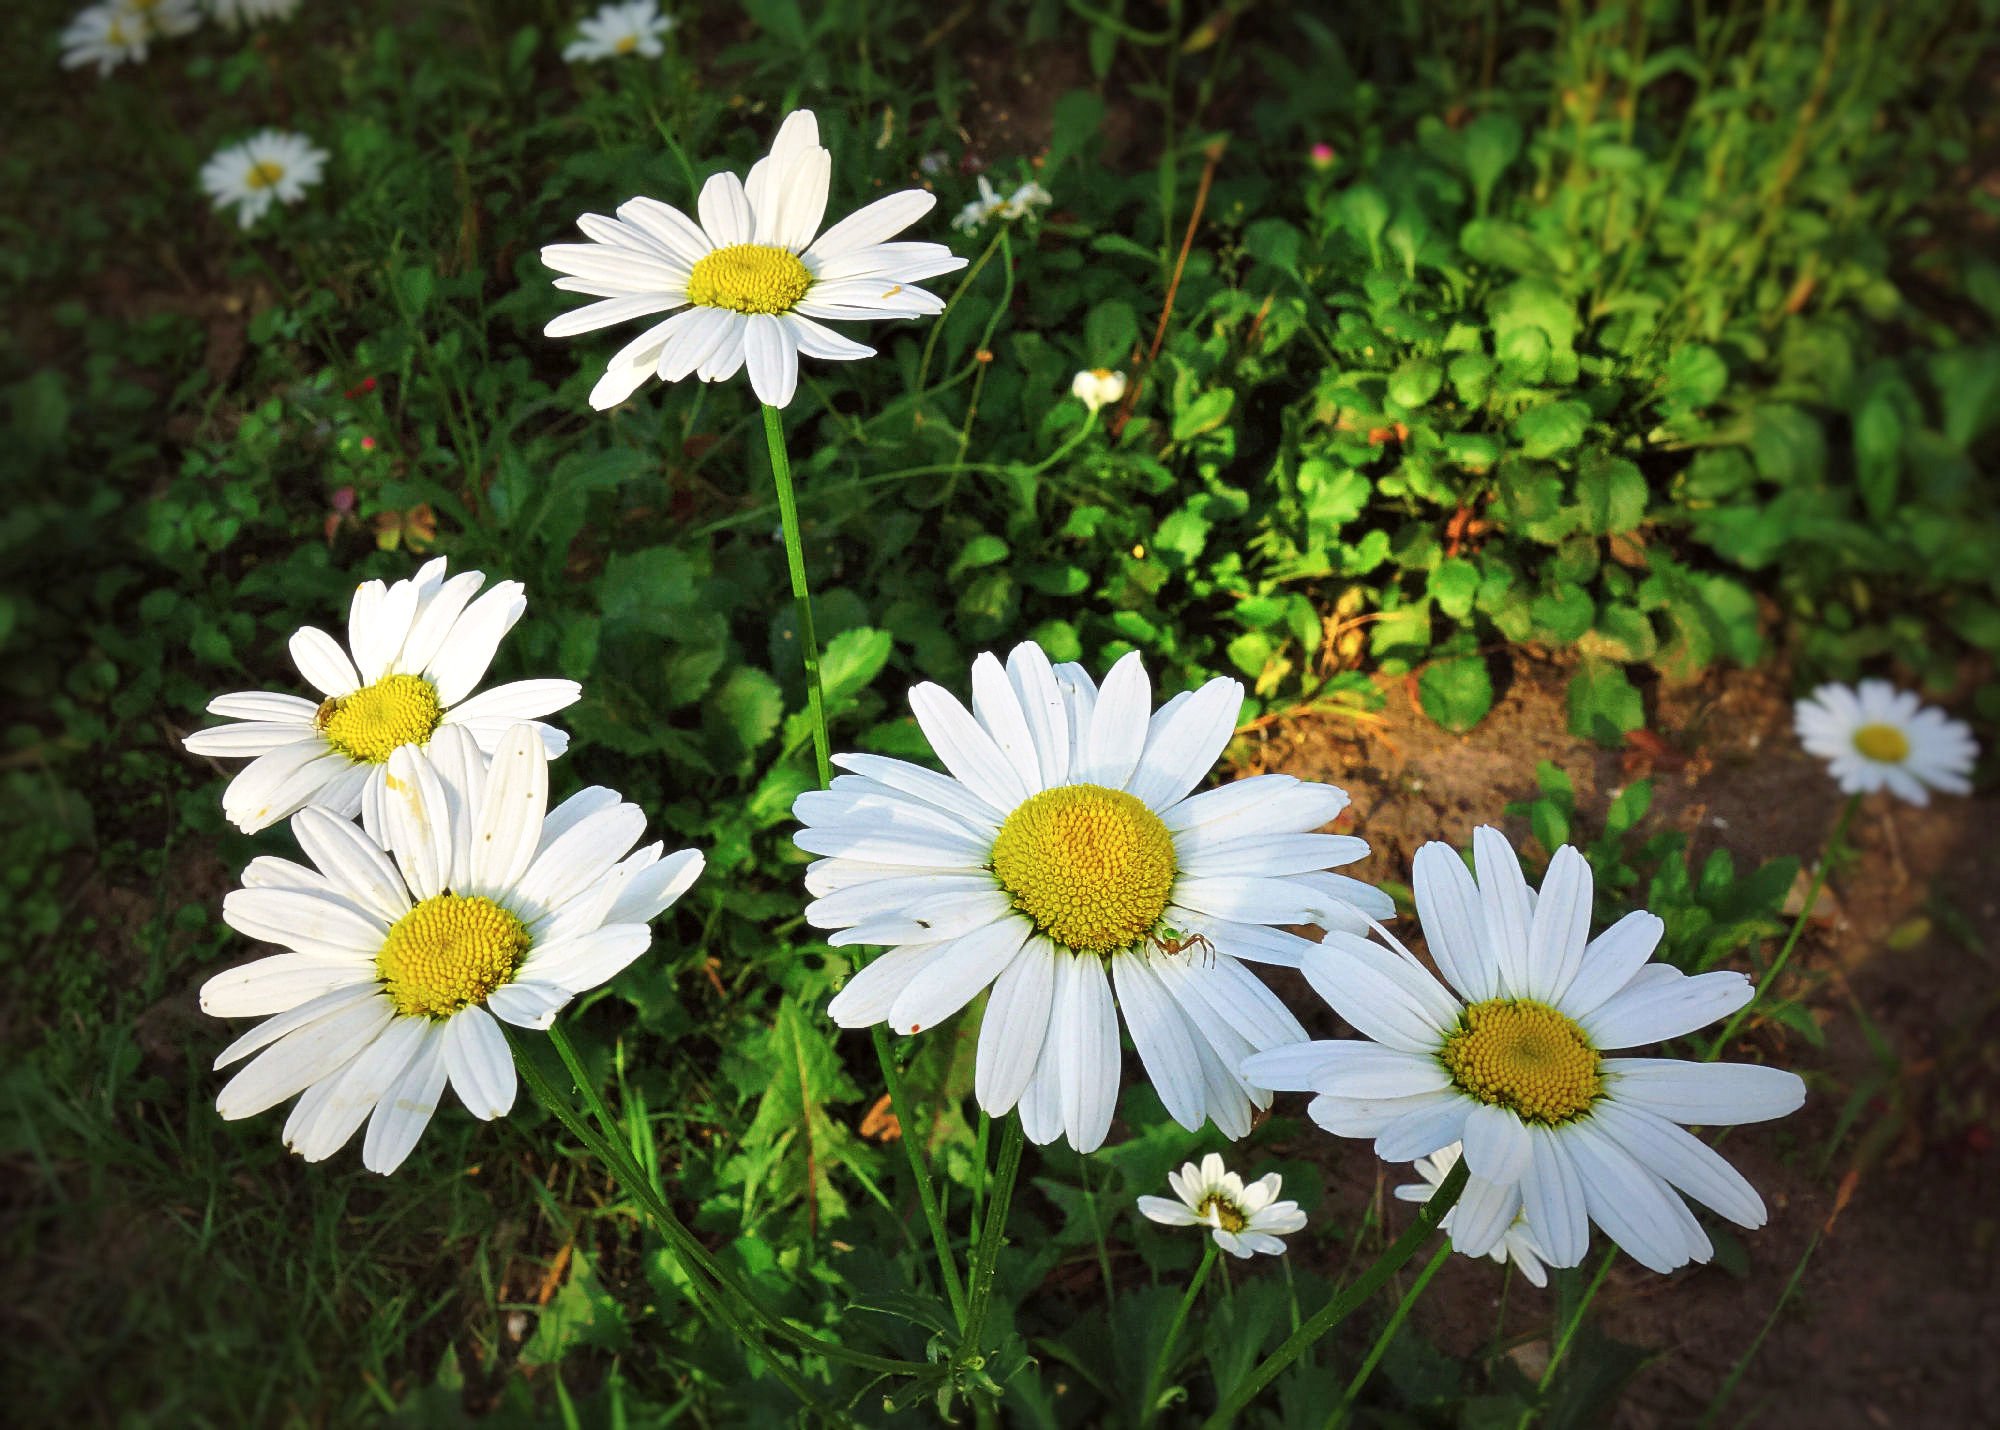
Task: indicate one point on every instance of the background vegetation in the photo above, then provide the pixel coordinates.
(1661, 335)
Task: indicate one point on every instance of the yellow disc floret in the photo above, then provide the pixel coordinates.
(369, 725)
(1218, 1210)
(750, 278)
(448, 953)
(1883, 743)
(1526, 1057)
(264, 175)
(1091, 866)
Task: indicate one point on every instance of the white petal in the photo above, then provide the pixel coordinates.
(1384, 996)
(652, 890)
(1454, 923)
(814, 340)
(278, 785)
(965, 747)
(265, 705)
(1682, 1160)
(1610, 961)
(250, 738)
(1634, 1207)
(773, 357)
(927, 785)
(1482, 1215)
(947, 984)
(999, 713)
(297, 919)
(1431, 1122)
(1167, 1213)
(353, 862)
(865, 999)
(508, 824)
(882, 219)
(416, 816)
(1497, 1148)
(1014, 1027)
(1560, 928)
(351, 1097)
(516, 700)
(301, 1058)
(1117, 736)
(588, 960)
(1165, 1043)
(1655, 1011)
(680, 236)
(1041, 702)
(323, 663)
(725, 210)
(1084, 1026)
(404, 1111)
(1704, 1094)
(528, 1005)
(479, 1064)
(609, 311)
(1182, 745)
(462, 658)
(1503, 895)
(1552, 1199)
(282, 982)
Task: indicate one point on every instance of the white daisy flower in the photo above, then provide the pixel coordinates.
(481, 903)
(419, 650)
(990, 204)
(238, 13)
(633, 28)
(1063, 858)
(164, 19)
(1874, 736)
(107, 36)
(751, 275)
(1097, 387)
(270, 167)
(1516, 1244)
(1509, 1059)
(1245, 1220)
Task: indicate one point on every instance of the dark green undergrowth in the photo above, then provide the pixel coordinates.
(1660, 335)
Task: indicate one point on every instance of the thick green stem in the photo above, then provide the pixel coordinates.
(685, 1245)
(1149, 1408)
(992, 1231)
(892, 1077)
(1345, 1304)
(1834, 842)
(1381, 1346)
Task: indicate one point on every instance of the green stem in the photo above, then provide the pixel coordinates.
(1149, 1407)
(992, 1231)
(673, 1231)
(1834, 842)
(892, 1078)
(937, 328)
(1381, 1346)
(1575, 1321)
(795, 559)
(1344, 1305)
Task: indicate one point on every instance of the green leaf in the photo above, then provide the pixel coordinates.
(1471, 374)
(1415, 382)
(1787, 445)
(1563, 615)
(747, 704)
(1110, 333)
(1612, 494)
(581, 1313)
(1492, 142)
(1453, 585)
(1456, 693)
(1365, 213)
(1073, 124)
(851, 661)
(1207, 412)
(1695, 377)
(1552, 428)
(1603, 705)
(985, 549)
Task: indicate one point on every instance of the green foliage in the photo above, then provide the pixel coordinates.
(1696, 363)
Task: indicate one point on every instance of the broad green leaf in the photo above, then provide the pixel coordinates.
(1612, 493)
(1457, 692)
(1603, 705)
(1552, 428)
(852, 660)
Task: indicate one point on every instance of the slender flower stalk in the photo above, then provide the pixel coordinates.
(1836, 840)
(1395, 1324)
(892, 1077)
(1149, 1408)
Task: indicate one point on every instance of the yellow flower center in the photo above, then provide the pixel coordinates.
(264, 175)
(1883, 743)
(751, 278)
(1218, 1210)
(448, 953)
(1526, 1057)
(1091, 866)
(626, 44)
(372, 723)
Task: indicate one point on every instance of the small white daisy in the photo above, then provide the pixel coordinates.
(419, 651)
(164, 19)
(1245, 1220)
(107, 36)
(1064, 857)
(1516, 1244)
(990, 204)
(633, 28)
(751, 274)
(1874, 736)
(238, 13)
(1097, 387)
(493, 906)
(1509, 1060)
(270, 167)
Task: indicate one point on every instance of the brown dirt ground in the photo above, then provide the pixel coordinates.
(1898, 1299)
